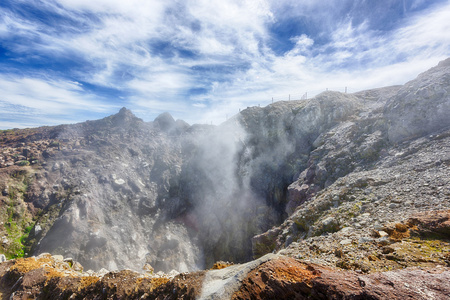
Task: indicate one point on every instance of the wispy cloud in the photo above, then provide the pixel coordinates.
(203, 60)
(33, 102)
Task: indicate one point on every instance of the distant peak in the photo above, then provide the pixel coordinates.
(125, 111)
(124, 116)
(166, 116)
(165, 121)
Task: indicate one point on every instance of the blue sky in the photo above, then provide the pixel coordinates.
(67, 61)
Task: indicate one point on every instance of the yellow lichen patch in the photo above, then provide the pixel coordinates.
(138, 282)
(45, 261)
(51, 273)
(24, 265)
(157, 281)
(421, 252)
(401, 227)
(295, 273)
(399, 231)
(221, 265)
(87, 281)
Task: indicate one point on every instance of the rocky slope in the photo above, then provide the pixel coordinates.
(272, 276)
(355, 182)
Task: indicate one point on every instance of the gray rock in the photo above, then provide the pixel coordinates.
(221, 284)
(102, 272)
(328, 221)
(365, 239)
(37, 229)
(58, 258)
(77, 267)
(345, 242)
(393, 205)
(193, 198)
(2, 258)
(383, 240)
(421, 106)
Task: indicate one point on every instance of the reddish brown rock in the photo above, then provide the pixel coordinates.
(283, 278)
(286, 278)
(432, 222)
(279, 278)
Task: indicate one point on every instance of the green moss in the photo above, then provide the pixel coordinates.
(432, 245)
(15, 216)
(260, 249)
(320, 228)
(301, 224)
(351, 212)
(16, 247)
(23, 163)
(54, 144)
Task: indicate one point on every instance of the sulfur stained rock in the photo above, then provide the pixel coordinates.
(286, 278)
(282, 278)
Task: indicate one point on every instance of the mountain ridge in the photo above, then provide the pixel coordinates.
(331, 180)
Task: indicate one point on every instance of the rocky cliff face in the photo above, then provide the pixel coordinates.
(107, 194)
(322, 179)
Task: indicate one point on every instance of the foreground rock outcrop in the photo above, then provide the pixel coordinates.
(271, 277)
(351, 191)
(286, 278)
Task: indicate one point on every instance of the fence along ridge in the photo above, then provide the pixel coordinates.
(304, 96)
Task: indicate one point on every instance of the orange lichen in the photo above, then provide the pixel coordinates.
(157, 281)
(401, 227)
(24, 265)
(87, 281)
(51, 273)
(401, 231)
(295, 274)
(221, 265)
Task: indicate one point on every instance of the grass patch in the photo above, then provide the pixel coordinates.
(23, 163)
(15, 216)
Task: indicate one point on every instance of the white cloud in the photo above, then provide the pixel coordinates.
(118, 43)
(46, 97)
(302, 43)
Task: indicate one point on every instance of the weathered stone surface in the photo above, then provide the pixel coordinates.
(421, 106)
(432, 222)
(282, 278)
(286, 278)
(270, 277)
(221, 284)
(49, 278)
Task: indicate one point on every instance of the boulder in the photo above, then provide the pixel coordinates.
(287, 278)
(437, 222)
